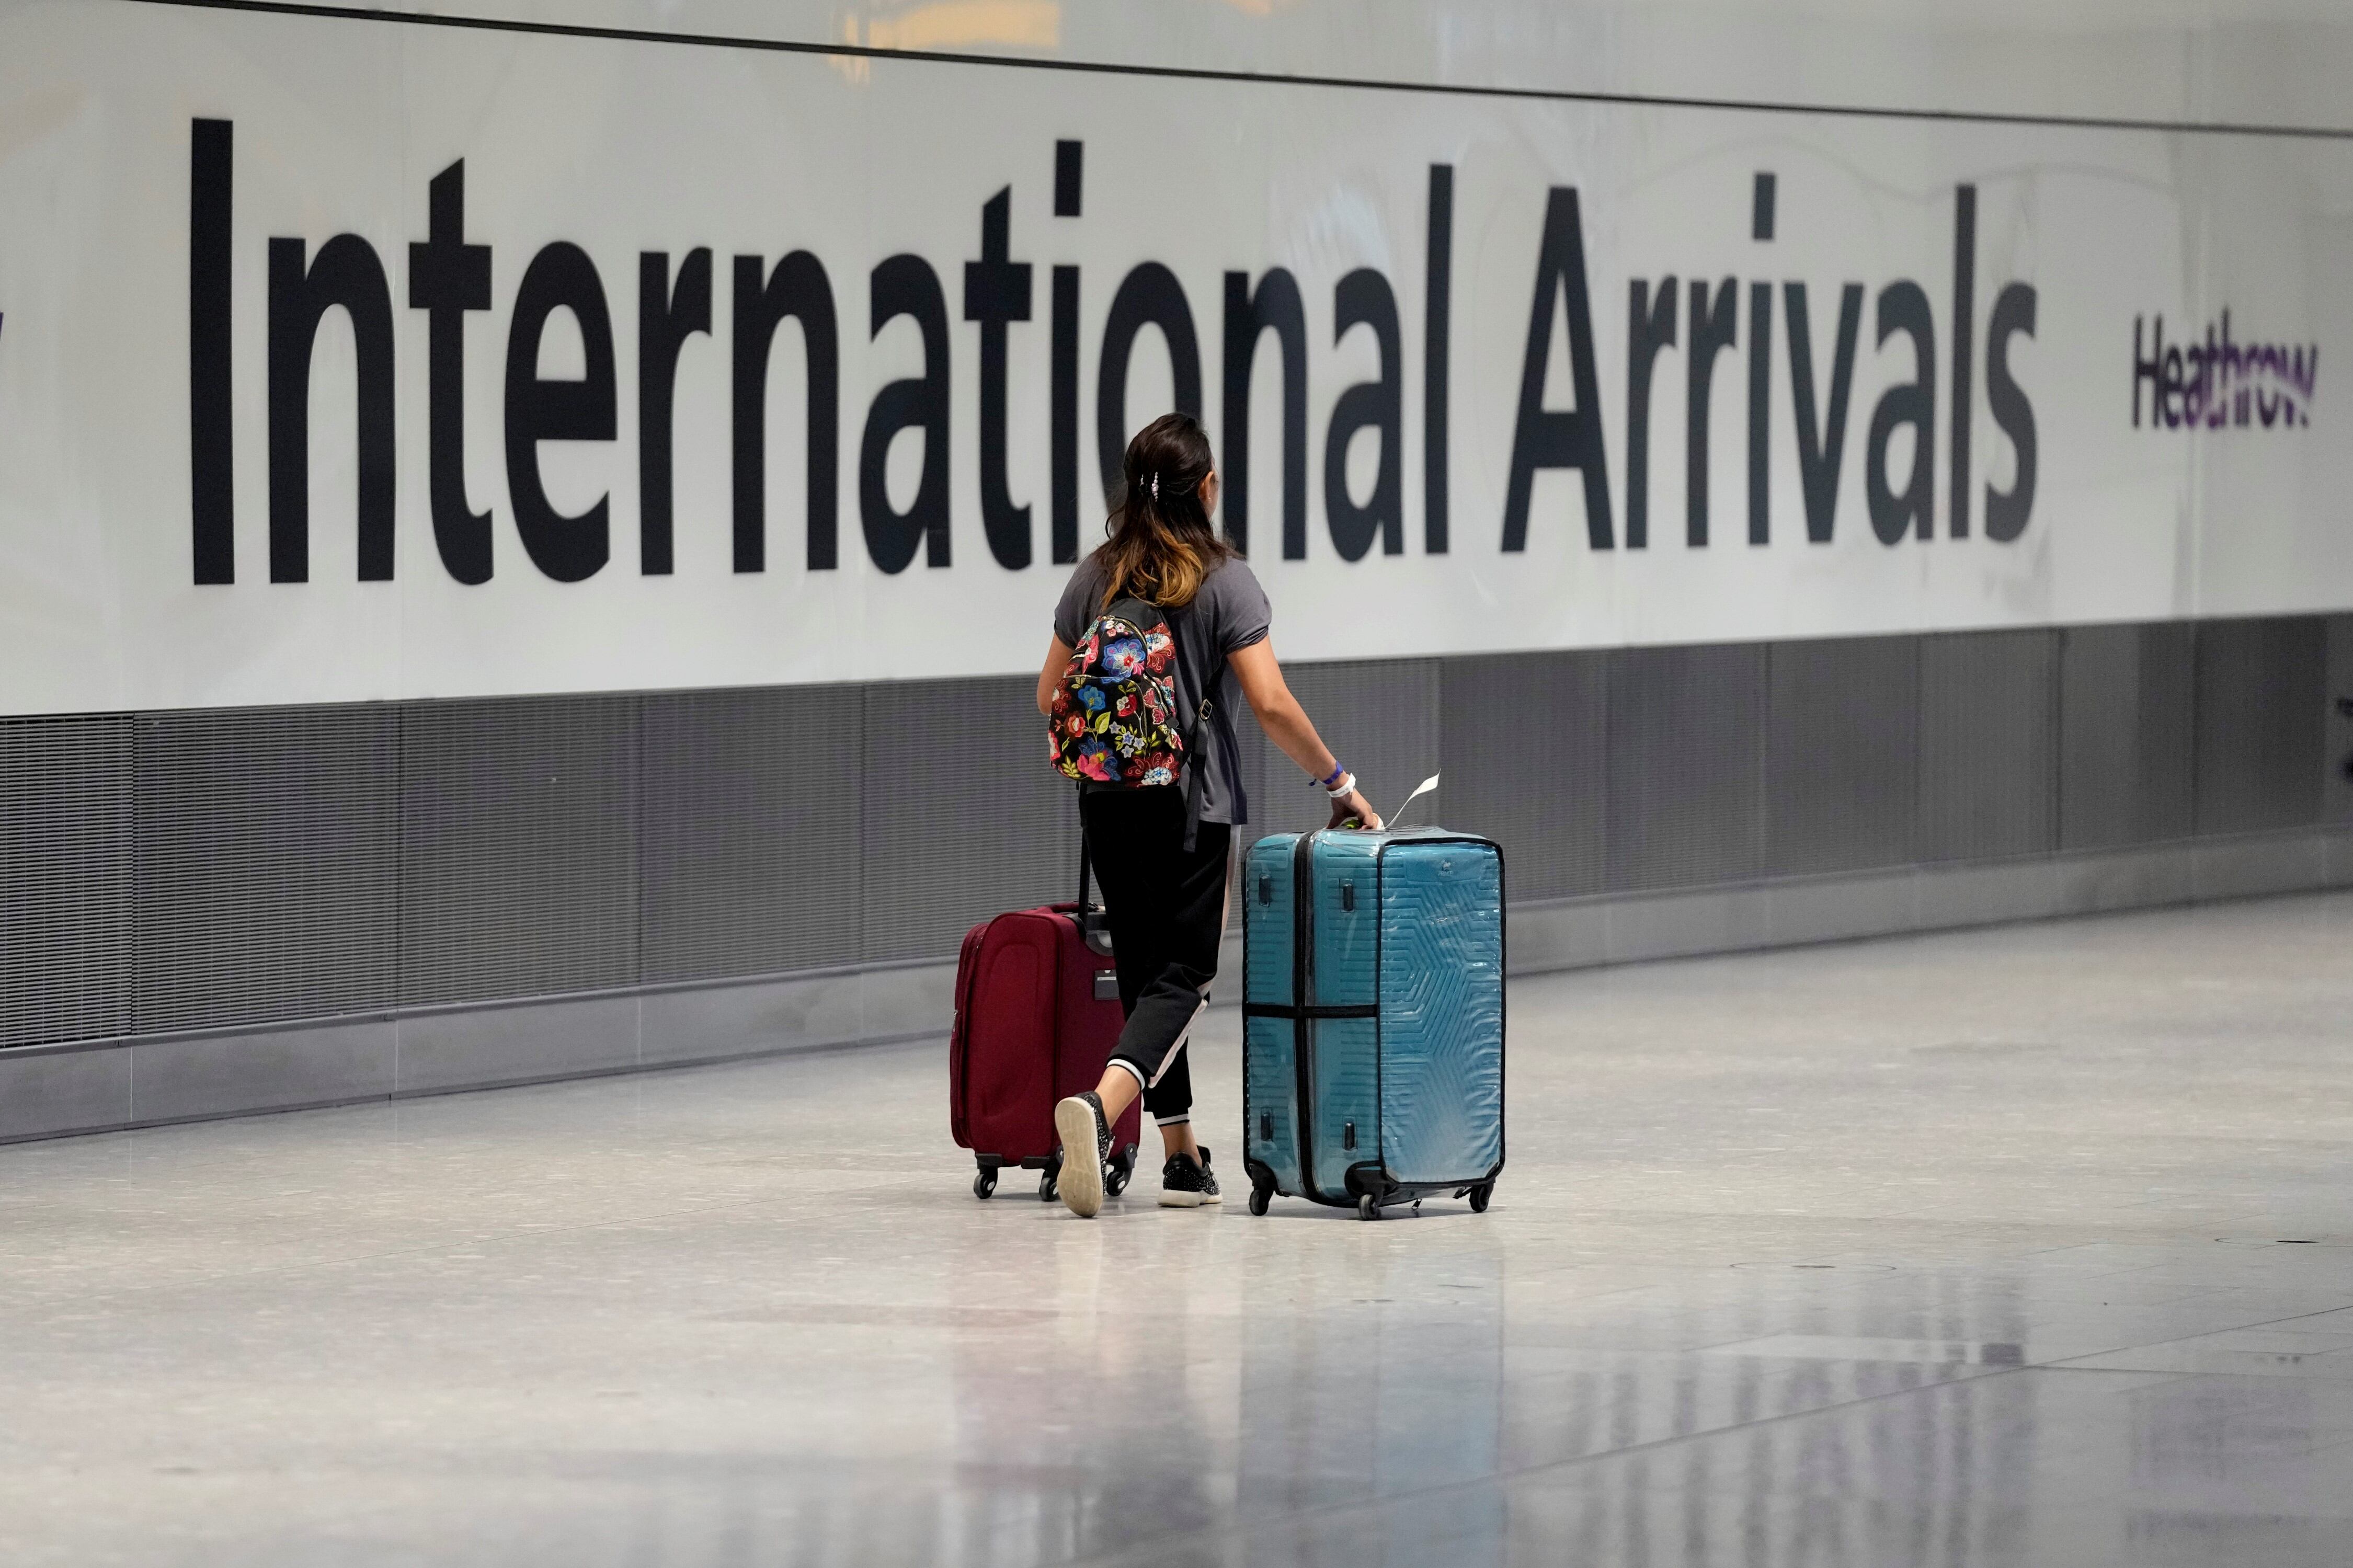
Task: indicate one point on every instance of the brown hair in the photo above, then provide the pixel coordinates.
(1161, 546)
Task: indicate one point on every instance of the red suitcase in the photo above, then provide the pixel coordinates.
(1037, 1015)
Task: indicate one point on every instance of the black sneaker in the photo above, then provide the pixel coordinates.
(1086, 1148)
(1185, 1185)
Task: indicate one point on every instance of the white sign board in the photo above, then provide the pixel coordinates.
(346, 358)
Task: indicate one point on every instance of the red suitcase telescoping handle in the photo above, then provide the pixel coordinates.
(1093, 923)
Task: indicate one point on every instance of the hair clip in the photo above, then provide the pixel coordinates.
(1155, 486)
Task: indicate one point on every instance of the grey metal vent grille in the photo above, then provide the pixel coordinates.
(1528, 765)
(1842, 753)
(1989, 744)
(753, 826)
(2166, 725)
(1380, 716)
(2125, 734)
(964, 815)
(2337, 754)
(1686, 755)
(267, 849)
(65, 878)
(209, 869)
(519, 848)
(2262, 708)
(1264, 770)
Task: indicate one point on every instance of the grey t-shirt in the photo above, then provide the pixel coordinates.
(1229, 613)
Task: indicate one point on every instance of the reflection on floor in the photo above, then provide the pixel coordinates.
(2029, 1246)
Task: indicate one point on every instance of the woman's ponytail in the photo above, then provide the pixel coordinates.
(1161, 546)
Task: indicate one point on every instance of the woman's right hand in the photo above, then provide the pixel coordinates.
(1355, 804)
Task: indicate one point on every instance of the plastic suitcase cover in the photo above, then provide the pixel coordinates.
(1402, 1086)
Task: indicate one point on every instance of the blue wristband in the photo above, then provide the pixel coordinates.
(1339, 772)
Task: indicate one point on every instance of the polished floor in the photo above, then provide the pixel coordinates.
(2028, 1246)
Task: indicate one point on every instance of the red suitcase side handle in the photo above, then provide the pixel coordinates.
(960, 1032)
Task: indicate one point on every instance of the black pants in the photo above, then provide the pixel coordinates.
(1168, 910)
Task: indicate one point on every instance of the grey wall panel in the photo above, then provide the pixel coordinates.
(1380, 716)
(195, 1078)
(519, 848)
(965, 817)
(2099, 736)
(1989, 744)
(1264, 769)
(2262, 712)
(2337, 757)
(464, 1046)
(1385, 710)
(267, 856)
(1524, 739)
(752, 838)
(230, 868)
(1842, 750)
(1261, 766)
(66, 882)
(1687, 766)
(2126, 712)
(43, 1094)
(2168, 731)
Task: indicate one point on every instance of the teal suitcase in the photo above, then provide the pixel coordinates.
(1373, 1017)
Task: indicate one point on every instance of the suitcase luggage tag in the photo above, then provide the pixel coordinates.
(1423, 788)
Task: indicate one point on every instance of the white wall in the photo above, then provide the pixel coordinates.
(626, 146)
(2273, 62)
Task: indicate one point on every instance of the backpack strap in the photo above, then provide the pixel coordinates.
(1197, 771)
(1141, 614)
(1196, 761)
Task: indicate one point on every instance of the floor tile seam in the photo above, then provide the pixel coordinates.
(2001, 929)
(1144, 1551)
(2022, 1234)
(146, 1287)
(2067, 1363)
(396, 1096)
(558, 1227)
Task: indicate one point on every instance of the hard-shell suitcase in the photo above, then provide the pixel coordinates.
(1373, 1017)
(1036, 1014)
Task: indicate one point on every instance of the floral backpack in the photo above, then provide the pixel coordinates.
(1114, 719)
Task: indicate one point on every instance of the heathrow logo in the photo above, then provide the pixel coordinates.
(2219, 382)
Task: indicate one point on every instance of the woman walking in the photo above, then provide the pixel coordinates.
(1164, 875)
